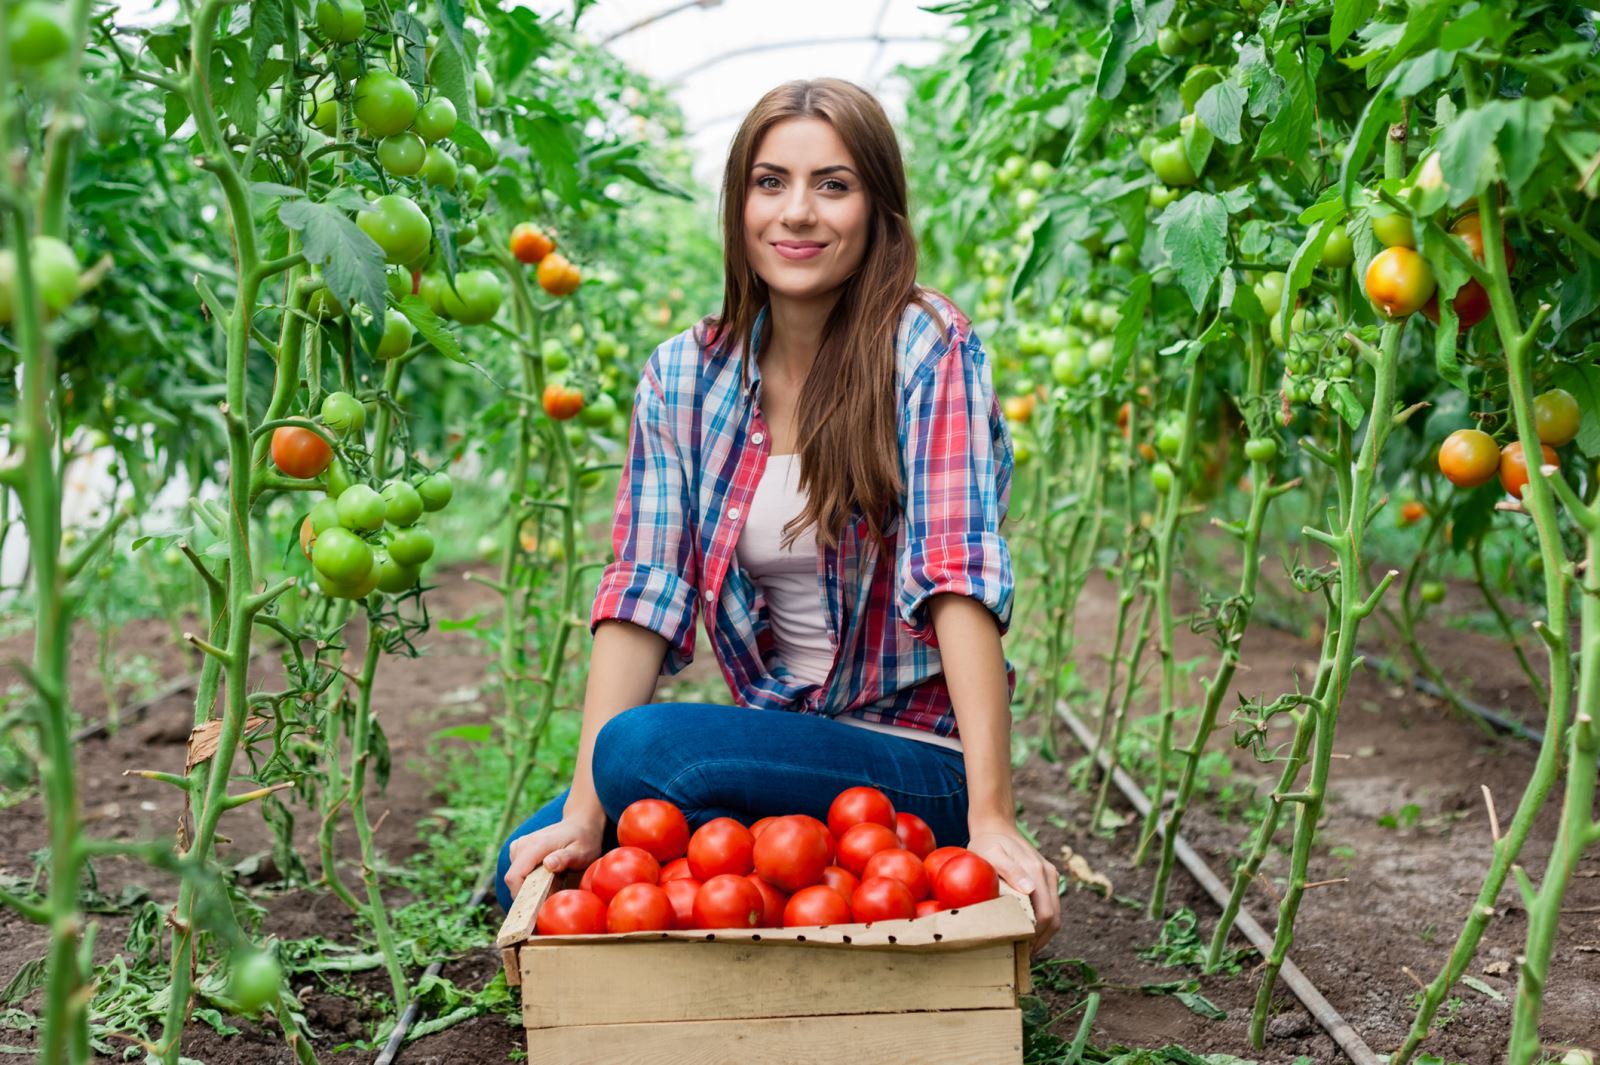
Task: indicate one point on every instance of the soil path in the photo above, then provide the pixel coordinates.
(1407, 891)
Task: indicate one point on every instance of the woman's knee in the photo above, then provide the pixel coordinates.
(626, 747)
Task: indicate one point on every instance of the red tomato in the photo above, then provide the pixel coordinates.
(827, 834)
(897, 863)
(841, 880)
(966, 880)
(656, 826)
(935, 861)
(677, 869)
(927, 906)
(728, 901)
(914, 833)
(854, 805)
(640, 908)
(682, 893)
(719, 846)
(882, 899)
(761, 826)
(571, 913)
(772, 902)
(587, 882)
(622, 866)
(816, 905)
(299, 452)
(791, 854)
(862, 841)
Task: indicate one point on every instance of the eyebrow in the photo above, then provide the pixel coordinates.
(840, 168)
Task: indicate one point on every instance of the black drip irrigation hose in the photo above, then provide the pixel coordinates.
(1348, 1039)
(397, 1038)
(1394, 671)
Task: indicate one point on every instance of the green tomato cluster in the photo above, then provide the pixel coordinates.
(55, 277)
(363, 540)
(1315, 356)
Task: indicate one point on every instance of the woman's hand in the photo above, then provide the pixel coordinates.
(1025, 869)
(570, 843)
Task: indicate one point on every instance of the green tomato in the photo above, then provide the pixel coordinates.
(361, 509)
(476, 298)
(1027, 200)
(1125, 255)
(1170, 440)
(1393, 229)
(1261, 449)
(1433, 592)
(384, 103)
(432, 288)
(1013, 168)
(1170, 43)
(324, 516)
(402, 154)
(325, 116)
(1161, 196)
(402, 504)
(342, 556)
(471, 181)
(1068, 367)
(1269, 291)
(55, 273)
(358, 589)
(558, 360)
(436, 491)
(254, 980)
(1171, 164)
(482, 158)
(605, 347)
(437, 119)
(599, 413)
(482, 88)
(343, 413)
(1297, 324)
(1338, 252)
(397, 336)
(38, 33)
(1161, 477)
(394, 578)
(337, 478)
(341, 21)
(1100, 353)
(398, 226)
(411, 547)
(1147, 147)
(1196, 30)
(324, 304)
(439, 168)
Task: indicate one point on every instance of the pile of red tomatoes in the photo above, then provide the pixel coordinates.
(867, 863)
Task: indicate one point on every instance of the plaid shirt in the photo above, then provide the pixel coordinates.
(697, 448)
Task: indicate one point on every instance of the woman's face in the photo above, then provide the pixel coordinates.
(806, 211)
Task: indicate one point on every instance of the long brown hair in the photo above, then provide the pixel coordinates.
(848, 411)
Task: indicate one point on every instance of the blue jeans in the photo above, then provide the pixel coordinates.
(724, 761)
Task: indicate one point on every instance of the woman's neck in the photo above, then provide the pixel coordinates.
(795, 333)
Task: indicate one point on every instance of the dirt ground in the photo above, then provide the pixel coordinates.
(1359, 941)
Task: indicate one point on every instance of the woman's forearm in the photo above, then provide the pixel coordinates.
(975, 672)
(624, 665)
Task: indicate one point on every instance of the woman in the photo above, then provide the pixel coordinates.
(823, 470)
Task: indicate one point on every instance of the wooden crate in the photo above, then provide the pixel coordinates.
(939, 990)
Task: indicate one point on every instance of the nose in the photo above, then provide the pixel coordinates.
(798, 211)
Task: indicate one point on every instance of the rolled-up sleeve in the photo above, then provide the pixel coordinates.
(653, 579)
(957, 469)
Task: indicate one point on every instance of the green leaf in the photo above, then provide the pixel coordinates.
(1134, 25)
(1348, 404)
(177, 113)
(1380, 111)
(647, 176)
(550, 141)
(1219, 110)
(1201, 1005)
(1301, 264)
(1467, 148)
(351, 262)
(1046, 245)
(1197, 144)
(1289, 131)
(469, 733)
(432, 327)
(1347, 15)
(1194, 234)
(1131, 326)
(1521, 140)
(268, 28)
(1482, 988)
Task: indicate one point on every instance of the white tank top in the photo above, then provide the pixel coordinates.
(788, 581)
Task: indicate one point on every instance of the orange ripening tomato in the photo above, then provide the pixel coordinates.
(1471, 304)
(1019, 408)
(300, 452)
(529, 243)
(1412, 512)
(562, 402)
(1514, 466)
(557, 276)
(1469, 457)
(1399, 282)
(1469, 227)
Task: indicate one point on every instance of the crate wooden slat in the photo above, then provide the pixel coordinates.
(958, 1037)
(728, 980)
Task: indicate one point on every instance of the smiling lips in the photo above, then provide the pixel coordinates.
(799, 249)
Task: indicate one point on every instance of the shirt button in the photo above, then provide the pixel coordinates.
(733, 512)
(756, 438)
(710, 595)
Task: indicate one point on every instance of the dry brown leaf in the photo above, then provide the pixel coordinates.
(203, 740)
(1078, 869)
